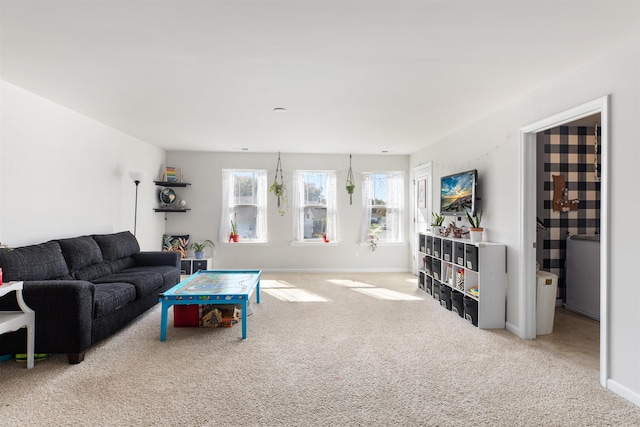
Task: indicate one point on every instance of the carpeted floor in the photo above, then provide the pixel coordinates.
(344, 357)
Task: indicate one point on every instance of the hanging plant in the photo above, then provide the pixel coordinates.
(279, 189)
(351, 185)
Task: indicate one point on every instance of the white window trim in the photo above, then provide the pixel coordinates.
(298, 208)
(226, 207)
(366, 209)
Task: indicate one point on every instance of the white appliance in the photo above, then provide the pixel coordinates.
(582, 279)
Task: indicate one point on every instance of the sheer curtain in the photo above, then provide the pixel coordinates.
(332, 207)
(395, 210)
(226, 205)
(261, 199)
(297, 206)
(367, 200)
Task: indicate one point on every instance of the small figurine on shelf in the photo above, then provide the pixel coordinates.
(452, 229)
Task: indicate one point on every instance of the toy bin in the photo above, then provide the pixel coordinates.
(186, 315)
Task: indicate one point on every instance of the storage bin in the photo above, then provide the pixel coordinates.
(447, 250)
(437, 247)
(422, 243)
(186, 315)
(457, 304)
(471, 310)
(429, 245)
(445, 296)
(547, 289)
(436, 269)
(428, 265)
(429, 285)
(458, 253)
(436, 290)
(471, 257)
(421, 281)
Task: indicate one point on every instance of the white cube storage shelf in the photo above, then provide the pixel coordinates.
(189, 266)
(463, 266)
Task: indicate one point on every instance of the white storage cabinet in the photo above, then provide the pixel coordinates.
(463, 266)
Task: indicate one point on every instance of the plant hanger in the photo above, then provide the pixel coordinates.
(279, 188)
(350, 185)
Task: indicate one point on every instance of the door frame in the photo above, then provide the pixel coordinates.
(424, 171)
(527, 300)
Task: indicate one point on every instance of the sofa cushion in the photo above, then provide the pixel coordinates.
(111, 296)
(80, 252)
(170, 274)
(145, 281)
(117, 245)
(35, 262)
(120, 264)
(92, 272)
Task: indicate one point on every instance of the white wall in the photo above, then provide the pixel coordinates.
(63, 174)
(492, 146)
(203, 171)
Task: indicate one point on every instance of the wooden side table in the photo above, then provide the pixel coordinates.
(13, 320)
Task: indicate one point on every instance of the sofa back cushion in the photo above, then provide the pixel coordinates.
(117, 245)
(80, 252)
(35, 262)
(84, 258)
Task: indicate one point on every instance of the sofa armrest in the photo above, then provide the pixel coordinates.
(157, 258)
(64, 313)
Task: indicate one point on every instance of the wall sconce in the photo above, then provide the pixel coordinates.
(136, 177)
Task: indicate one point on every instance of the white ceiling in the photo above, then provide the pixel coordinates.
(355, 76)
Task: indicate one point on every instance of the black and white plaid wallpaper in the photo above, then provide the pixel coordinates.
(569, 151)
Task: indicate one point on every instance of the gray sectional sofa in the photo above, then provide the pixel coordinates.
(83, 289)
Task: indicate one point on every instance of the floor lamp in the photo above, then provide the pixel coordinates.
(136, 177)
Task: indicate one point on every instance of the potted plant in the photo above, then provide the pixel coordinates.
(436, 222)
(234, 236)
(475, 231)
(350, 186)
(199, 247)
(279, 189)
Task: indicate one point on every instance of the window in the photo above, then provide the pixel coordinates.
(383, 198)
(314, 206)
(244, 201)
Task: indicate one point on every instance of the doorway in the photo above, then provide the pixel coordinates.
(527, 294)
(567, 237)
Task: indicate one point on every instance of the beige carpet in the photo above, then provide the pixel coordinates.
(353, 360)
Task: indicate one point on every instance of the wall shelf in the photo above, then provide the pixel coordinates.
(171, 210)
(171, 183)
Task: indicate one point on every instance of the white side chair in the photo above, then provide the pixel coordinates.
(13, 320)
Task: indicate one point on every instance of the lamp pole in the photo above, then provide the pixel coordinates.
(135, 212)
(137, 177)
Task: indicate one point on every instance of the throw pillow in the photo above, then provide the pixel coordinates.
(176, 243)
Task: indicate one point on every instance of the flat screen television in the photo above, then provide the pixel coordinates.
(458, 193)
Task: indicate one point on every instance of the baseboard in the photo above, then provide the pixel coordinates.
(334, 270)
(513, 329)
(624, 392)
